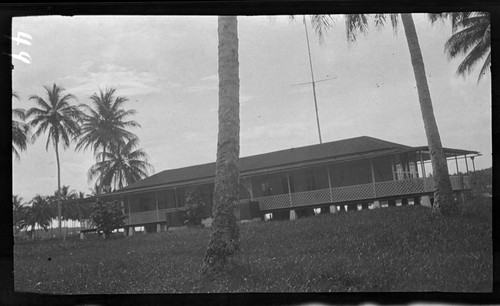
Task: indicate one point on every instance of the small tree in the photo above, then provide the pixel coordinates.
(107, 216)
(20, 214)
(195, 209)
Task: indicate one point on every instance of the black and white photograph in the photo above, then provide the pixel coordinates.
(280, 153)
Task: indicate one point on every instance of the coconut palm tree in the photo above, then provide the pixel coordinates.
(471, 37)
(443, 201)
(224, 239)
(19, 214)
(84, 209)
(60, 119)
(105, 124)
(69, 210)
(20, 130)
(40, 213)
(121, 165)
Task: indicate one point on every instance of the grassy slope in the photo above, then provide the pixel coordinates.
(391, 249)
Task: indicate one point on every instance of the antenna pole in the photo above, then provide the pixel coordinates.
(313, 83)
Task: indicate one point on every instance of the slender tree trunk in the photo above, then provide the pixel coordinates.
(103, 152)
(59, 210)
(224, 239)
(443, 203)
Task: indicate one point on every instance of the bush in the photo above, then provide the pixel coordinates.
(195, 210)
(107, 216)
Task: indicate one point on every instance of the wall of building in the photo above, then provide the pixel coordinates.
(314, 178)
(382, 168)
(351, 173)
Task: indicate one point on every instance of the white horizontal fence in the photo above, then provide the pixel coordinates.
(149, 216)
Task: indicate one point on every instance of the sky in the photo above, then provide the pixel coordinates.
(167, 68)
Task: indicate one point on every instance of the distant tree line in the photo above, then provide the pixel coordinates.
(482, 181)
(100, 127)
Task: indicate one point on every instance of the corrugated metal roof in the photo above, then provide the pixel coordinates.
(346, 147)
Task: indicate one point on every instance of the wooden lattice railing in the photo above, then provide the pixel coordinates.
(357, 192)
(335, 195)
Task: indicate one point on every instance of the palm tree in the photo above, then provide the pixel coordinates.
(61, 120)
(443, 203)
(224, 239)
(40, 213)
(84, 209)
(443, 200)
(20, 130)
(471, 37)
(121, 166)
(95, 191)
(105, 125)
(19, 214)
(69, 210)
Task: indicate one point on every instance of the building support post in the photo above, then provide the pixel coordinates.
(393, 168)
(422, 164)
(461, 178)
(329, 184)
(251, 188)
(157, 211)
(373, 178)
(289, 193)
(467, 169)
(129, 211)
(175, 195)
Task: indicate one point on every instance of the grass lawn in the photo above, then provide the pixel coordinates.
(388, 249)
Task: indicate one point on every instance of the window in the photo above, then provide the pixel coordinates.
(413, 170)
(284, 184)
(399, 172)
(310, 180)
(266, 189)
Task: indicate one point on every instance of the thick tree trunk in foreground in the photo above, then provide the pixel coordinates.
(443, 201)
(224, 239)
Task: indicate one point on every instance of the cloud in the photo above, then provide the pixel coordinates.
(212, 77)
(199, 88)
(274, 131)
(90, 77)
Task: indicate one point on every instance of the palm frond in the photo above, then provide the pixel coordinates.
(19, 113)
(321, 24)
(486, 65)
(471, 60)
(355, 23)
(462, 41)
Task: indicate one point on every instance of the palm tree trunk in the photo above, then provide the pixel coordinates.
(59, 210)
(120, 183)
(443, 203)
(224, 239)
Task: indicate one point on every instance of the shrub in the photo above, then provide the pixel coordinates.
(107, 216)
(195, 210)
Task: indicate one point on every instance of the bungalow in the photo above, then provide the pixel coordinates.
(352, 174)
